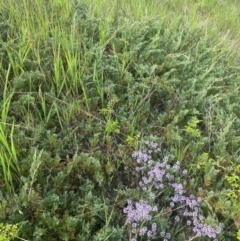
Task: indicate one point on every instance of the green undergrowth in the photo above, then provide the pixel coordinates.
(8, 232)
(80, 91)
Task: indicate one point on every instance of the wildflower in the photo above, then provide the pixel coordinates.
(143, 231)
(168, 235)
(157, 176)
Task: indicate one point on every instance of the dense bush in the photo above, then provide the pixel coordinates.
(81, 101)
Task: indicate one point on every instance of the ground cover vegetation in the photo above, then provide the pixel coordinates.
(119, 120)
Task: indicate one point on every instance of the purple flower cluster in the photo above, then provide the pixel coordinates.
(189, 208)
(140, 213)
(159, 178)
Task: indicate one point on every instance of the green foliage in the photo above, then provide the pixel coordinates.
(8, 155)
(233, 190)
(60, 198)
(180, 152)
(112, 126)
(238, 235)
(203, 160)
(191, 127)
(8, 232)
(132, 141)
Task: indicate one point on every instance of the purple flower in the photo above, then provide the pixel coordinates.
(134, 225)
(149, 234)
(154, 227)
(158, 177)
(169, 176)
(139, 213)
(176, 167)
(143, 231)
(168, 235)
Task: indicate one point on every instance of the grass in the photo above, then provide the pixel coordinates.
(216, 17)
(9, 162)
(84, 83)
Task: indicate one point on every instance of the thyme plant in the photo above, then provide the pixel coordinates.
(166, 211)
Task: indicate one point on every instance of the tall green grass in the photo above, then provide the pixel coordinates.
(220, 19)
(8, 153)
